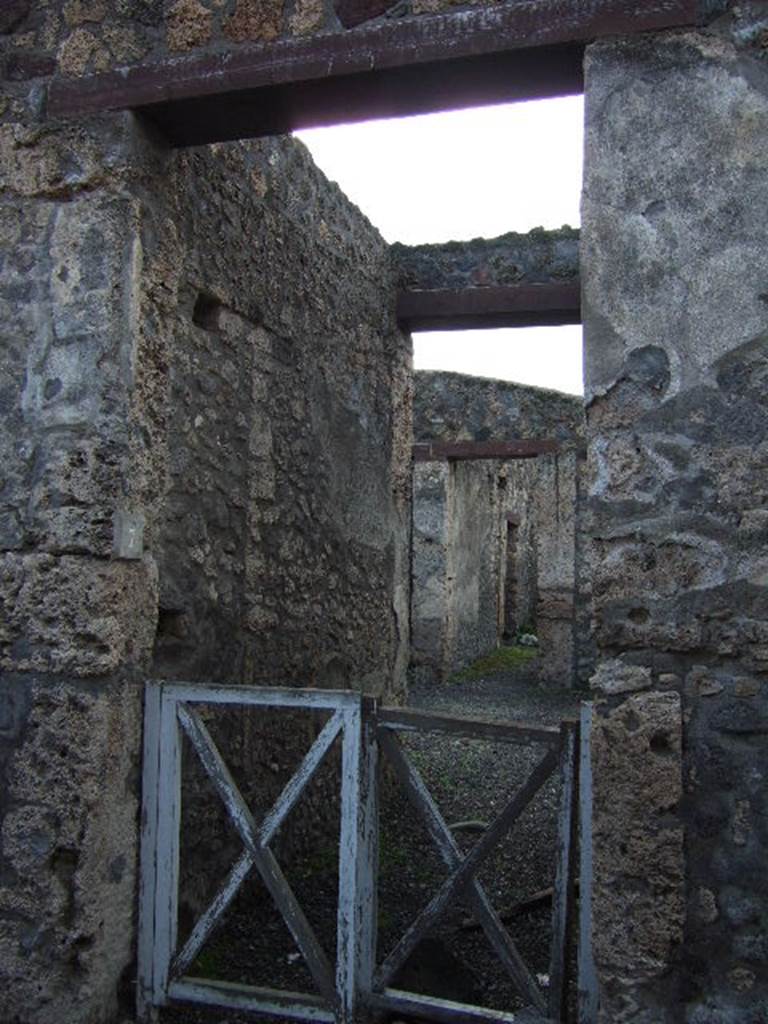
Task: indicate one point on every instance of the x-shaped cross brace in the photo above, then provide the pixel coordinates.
(463, 869)
(257, 853)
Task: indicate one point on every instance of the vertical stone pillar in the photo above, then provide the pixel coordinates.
(675, 271)
(77, 596)
(431, 596)
(556, 517)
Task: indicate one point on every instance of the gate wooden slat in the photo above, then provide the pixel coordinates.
(497, 934)
(299, 926)
(208, 921)
(251, 998)
(269, 869)
(408, 720)
(168, 844)
(149, 825)
(301, 777)
(272, 822)
(357, 920)
(258, 696)
(399, 1003)
(587, 975)
(368, 862)
(563, 898)
(220, 776)
(357, 985)
(471, 863)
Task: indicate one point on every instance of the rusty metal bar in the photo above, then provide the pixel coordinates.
(517, 305)
(463, 451)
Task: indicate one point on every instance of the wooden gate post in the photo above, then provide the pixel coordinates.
(147, 862)
(563, 900)
(161, 808)
(358, 861)
(587, 976)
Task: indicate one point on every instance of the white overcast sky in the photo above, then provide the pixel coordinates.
(468, 174)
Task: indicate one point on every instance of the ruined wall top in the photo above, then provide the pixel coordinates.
(458, 407)
(80, 37)
(539, 256)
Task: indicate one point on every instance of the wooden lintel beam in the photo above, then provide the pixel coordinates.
(519, 305)
(390, 68)
(464, 451)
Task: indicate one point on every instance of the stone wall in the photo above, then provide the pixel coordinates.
(536, 257)
(674, 265)
(460, 515)
(283, 531)
(80, 37)
(76, 624)
(284, 521)
(108, 316)
(204, 437)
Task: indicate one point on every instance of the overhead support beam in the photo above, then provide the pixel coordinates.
(391, 68)
(465, 451)
(517, 305)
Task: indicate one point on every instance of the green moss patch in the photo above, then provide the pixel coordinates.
(503, 659)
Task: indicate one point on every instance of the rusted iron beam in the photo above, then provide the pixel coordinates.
(276, 103)
(464, 451)
(390, 68)
(516, 305)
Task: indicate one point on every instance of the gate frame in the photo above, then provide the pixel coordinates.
(365, 728)
(160, 848)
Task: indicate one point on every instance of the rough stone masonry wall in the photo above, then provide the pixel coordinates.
(177, 354)
(78, 37)
(76, 624)
(675, 269)
(283, 527)
(460, 524)
(283, 540)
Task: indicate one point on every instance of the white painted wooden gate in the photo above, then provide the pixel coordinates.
(358, 985)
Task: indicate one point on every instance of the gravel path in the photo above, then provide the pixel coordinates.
(469, 780)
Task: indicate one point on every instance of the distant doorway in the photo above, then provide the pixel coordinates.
(509, 603)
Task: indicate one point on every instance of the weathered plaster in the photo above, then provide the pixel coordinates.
(674, 268)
